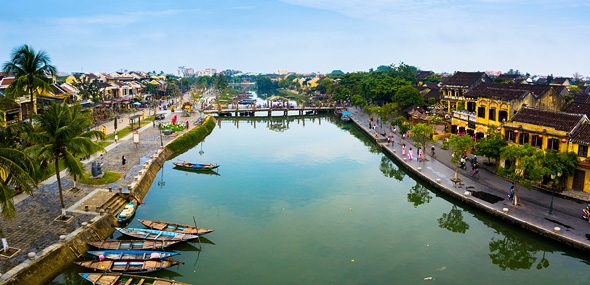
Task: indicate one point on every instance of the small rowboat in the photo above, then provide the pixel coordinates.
(194, 166)
(131, 244)
(127, 212)
(132, 254)
(172, 227)
(121, 279)
(155, 234)
(127, 265)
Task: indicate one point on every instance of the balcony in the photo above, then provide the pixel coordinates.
(465, 115)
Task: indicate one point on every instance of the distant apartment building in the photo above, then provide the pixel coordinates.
(282, 72)
(185, 71)
(207, 72)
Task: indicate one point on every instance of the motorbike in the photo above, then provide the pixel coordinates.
(586, 214)
(462, 165)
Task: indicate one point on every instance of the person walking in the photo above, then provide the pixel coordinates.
(419, 154)
(410, 154)
(116, 137)
(403, 149)
(101, 159)
(123, 161)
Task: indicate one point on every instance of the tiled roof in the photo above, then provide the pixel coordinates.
(464, 78)
(6, 81)
(103, 85)
(432, 86)
(559, 81)
(91, 76)
(579, 108)
(423, 74)
(57, 90)
(69, 87)
(434, 93)
(507, 91)
(508, 76)
(560, 121)
(583, 135)
(580, 97)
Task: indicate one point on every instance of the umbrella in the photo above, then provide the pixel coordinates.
(137, 103)
(143, 101)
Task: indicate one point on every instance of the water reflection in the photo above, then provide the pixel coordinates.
(512, 252)
(389, 169)
(419, 195)
(453, 221)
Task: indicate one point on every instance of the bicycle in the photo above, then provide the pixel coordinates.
(432, 153)
(475, 173)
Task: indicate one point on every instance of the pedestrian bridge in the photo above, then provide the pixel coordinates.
(252, 110)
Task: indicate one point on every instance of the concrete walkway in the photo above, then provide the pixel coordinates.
(489, 192)
(33, 228)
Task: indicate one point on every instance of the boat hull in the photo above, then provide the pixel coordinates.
(127, 212)
(155, 234)
(127, 265)
(172, 227)
(132, 244)
(120, 279)
(133, 254)
(195, 166)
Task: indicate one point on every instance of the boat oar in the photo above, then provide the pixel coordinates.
(198, 236)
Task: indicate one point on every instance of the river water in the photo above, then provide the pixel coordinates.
(314, 201)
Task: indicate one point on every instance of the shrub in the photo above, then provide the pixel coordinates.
(192, 137)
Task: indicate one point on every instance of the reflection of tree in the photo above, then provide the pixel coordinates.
(513, 253)
(389, 169)
(278, 126)
(419, 195)
(543, 263)
(453, 221)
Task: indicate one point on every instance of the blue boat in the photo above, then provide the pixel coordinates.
(155, 234)
(247, 101)
(345, 117)
(132, 254)
(128, 211)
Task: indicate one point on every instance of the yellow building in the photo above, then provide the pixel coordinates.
(454, 88)
(560, 131)
(491, 104)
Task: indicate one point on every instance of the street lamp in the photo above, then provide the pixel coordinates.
(554, 177)
(161, 142)
(201, 151)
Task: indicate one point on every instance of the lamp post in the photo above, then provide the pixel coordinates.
(554, 177)
(161, 142)
(201, 151)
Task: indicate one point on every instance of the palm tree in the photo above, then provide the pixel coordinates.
(16, 170)
(31, 71)
(61, 136)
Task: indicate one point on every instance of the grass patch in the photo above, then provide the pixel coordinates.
(289, 93)
(109, 177)
(125, 131)
(192, 137)
(104, 144)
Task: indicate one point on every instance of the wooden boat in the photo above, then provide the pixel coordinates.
(132, 254)
(125, 279)
(155, 234)
(127, 265)
(172, 227)
(195, 166)
(199, 171)
(345, 117)
(127, 212)
(132, 244)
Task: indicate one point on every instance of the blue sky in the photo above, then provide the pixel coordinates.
(540, 37)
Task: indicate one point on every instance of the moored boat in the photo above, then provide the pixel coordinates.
(345, 117)
(173, 227)
(132, 254)
(125, 279)
(195, 166)
(132, 244)
(155, 234)
(127, 265)
(127, 212)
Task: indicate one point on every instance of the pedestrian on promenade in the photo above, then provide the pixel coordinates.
(392, 140)
(419, 154)
(410, 154)
(101, 160)
(116, 137)
(187, 124)
(154, 124)
(404, 149)
(123, 161)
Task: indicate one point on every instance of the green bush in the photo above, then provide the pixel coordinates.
(192, 137)
(445, 144)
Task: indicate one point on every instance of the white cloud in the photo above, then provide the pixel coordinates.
(115, 19)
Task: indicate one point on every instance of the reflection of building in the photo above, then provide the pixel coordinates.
(490, 104)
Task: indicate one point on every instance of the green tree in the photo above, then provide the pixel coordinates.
(32, 71)
(422, 134)
(564, 161)
(459, 145)
(324, 85)
(357, 100)
(524, 166)
(18, 170)
(407, 96)
(432, 78)
(491, 146)
(220, 82)
(60, 137)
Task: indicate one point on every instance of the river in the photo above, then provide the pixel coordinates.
(314, 201)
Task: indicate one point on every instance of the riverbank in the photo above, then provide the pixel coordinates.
(489, 193)
(46, 246)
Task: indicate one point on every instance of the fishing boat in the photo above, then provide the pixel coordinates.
(345, 117)
(125, 279)
(155, 234)
(132, 254)
(195, 166)
(127, 265)
(127, 212)
(173, 227)
(247, 101)
(132, 244)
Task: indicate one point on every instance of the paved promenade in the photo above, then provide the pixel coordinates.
(34, 229)
(490, 192)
